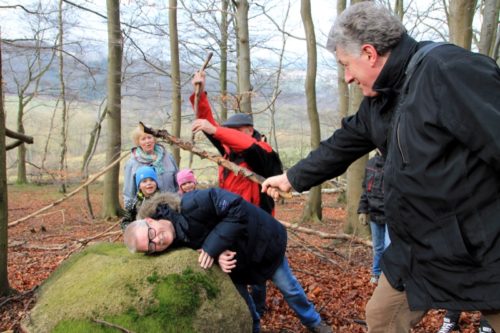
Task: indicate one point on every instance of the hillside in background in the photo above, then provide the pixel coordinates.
(147, 98)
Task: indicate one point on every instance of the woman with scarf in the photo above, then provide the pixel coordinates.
(148, 152)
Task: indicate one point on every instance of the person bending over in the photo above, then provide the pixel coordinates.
(252, 243)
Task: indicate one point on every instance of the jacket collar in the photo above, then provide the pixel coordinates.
(391, 77)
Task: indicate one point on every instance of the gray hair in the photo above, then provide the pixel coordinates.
(130, 234)
(365, 23)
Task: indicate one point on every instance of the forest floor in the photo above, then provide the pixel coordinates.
(334, 273)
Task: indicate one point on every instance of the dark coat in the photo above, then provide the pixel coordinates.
(372, 199)
(442, 174)
(216, 220)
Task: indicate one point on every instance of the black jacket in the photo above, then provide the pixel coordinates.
(217, 220)
(372, 199)
(442, 174)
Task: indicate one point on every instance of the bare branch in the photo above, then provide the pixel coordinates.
(15, 135)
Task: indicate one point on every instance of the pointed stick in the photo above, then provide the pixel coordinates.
(197, 100)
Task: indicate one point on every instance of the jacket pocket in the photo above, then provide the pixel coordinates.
(446, 245)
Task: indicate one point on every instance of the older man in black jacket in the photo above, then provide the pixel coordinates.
(435, 115)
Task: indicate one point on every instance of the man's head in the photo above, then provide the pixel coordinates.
(146, 180)
(242, 122)
(149, 235)
(362, 37)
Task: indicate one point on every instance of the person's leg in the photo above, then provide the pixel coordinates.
(243, 290)
(295, 296)
(259, 297)
(387, 239)
(493, 318)
(378, 237)
(388, 311)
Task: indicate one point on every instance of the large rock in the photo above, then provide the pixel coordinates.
(162, 293)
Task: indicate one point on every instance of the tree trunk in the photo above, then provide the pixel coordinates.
(460, 22)
(244, 86)
(4, 208)
(175, 75)
(87, 157)
(489, 27)
(312, 210)
(224, 25)
(355, 174)
(399, 9)
(343, 89)
(64, 117)
(21, 150)
(356, 171)
(111, 202)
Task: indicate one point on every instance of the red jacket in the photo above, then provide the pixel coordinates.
(246, 151)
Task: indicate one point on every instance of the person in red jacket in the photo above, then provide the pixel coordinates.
(239, 142)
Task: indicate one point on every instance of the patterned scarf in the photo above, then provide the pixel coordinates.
(145, 158)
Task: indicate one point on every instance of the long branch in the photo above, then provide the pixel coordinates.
(325, 235)
(186, 145)
(87, 183)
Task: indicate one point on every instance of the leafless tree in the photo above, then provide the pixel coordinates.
(111, 203)
(176, 75)
(244, 85)
(312, 209)
(4, 207)
(62, 98)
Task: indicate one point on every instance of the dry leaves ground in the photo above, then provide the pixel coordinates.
(334, 273)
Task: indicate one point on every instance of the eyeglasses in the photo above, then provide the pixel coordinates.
(151, 236)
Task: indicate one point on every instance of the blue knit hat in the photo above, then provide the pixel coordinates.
(238, 120)
(143, 173)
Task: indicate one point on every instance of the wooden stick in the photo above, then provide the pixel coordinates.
(325, 235)
(198, 85)
(87, 183)
(197, 100)
(185, 145)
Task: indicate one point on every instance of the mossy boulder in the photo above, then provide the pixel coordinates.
(105, 288)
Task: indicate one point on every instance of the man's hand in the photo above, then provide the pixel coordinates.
(227, 261)
(203, 125)
(272, 184)
(205, 260)
(363, 218)
(199, 78)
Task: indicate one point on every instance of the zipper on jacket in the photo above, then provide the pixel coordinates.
(400, 147)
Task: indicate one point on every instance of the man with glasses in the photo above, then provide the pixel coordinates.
(249, 244)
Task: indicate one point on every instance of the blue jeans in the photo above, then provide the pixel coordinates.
(378, 240)
(293, 294)
(387, 240)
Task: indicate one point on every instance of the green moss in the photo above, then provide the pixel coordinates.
(153, 278)
(177, 298)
